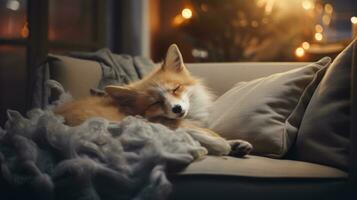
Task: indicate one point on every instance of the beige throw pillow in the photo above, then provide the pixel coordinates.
(267, 112)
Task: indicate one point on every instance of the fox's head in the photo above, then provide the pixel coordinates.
(163, 93)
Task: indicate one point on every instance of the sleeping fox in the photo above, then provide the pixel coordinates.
(169, 95)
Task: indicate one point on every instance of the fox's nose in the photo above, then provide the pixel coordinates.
(177, 109)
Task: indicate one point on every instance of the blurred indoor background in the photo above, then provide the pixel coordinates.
(205, 30)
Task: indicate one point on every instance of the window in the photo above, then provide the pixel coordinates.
(29, 29)
(76, 25)
(253, 30)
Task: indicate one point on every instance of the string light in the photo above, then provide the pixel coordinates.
(307, 5)
(254, 24)
(354, 20)
(326, 19)
(319, 28)
(328, 8)
(299, 52)
(319, 36)
(186, 13)
(305, 45)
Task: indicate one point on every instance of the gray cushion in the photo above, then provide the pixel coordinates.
(267, 111)
(77, 76)
(324, 132)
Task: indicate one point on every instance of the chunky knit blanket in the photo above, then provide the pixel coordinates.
(41, 158)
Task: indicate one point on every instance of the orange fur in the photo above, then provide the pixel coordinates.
(115, 108)
(155, 97)
(78, 111)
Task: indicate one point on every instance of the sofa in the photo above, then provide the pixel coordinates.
(225, 177)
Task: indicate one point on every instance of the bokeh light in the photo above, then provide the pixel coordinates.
(319, 28)
(299, 52)
(328, 8)
(305, 45)
(307, 5)
(318, 36)
(326, 19)
(354, 20)
(186, 13)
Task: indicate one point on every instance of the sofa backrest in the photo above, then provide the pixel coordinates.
(220, 77)
(78, 75)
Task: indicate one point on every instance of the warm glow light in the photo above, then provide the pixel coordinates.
(305, 45)
(186, 13)
(354, 20)
(13, 5)
(328, 8)
(299, 52)
(269, 6)
(326, 19)
(260, 3)
(178, 20)
(25, 31)
(319, 8)
(307, 4)
(319, 36)
(254, 24)
(319, 28)
(243, 23)
(204, 7)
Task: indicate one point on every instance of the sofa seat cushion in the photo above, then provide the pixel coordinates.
(257, 177)
(260, 167)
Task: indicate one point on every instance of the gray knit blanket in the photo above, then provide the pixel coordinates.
(117, 69)
(41, 158)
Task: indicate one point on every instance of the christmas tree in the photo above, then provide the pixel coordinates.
(247, 30)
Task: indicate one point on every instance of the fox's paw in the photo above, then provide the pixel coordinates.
(240, 148)
(199, 153)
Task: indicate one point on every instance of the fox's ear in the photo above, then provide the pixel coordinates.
(123, 95)
(173, 59)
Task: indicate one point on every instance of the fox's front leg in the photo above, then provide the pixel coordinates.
(216, 145)
(239, 148)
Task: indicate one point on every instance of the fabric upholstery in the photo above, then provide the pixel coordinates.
(67, 69)
(324, 132)
(77, 76)
(220, 77)
(261, 167)
(267, 111)
(220, 187)
(117, 69)
(257, 177)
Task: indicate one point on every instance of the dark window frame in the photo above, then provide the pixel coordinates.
(37, 44)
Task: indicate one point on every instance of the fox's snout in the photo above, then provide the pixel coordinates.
(177, 109)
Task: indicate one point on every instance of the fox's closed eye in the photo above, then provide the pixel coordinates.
(176, 89)
(156, 103)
